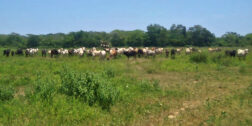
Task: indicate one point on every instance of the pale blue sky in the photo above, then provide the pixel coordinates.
(52, 16)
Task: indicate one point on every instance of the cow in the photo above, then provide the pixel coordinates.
(173, 53)
(214, 49)
(159, 50)
(6, 52)
(80, 51)
(151, 52)
(100, 53)
(188, 51)
(88, 52)
(112, 53)
(231, 53)
(241, 53)
(167, 53)
(27, 53)
(54, 52)
(12, 53)
(31, 51)
(19, 52)
(71, 52)
(130, 53)
(178, 50)
(43, 53)
(140, 53)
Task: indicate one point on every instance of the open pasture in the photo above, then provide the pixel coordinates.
(143, 91)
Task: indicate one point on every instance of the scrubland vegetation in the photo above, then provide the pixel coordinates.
(196, 89)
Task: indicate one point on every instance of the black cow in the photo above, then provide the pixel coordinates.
(12, 53)
(6, 52)
(132, 53)
(140, 53)
(54, 52)
(173, 52)
(43, 53)
(231, 53)
(19, 52)
(167, 53)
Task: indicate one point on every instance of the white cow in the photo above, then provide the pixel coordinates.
(242, 53)
(188, 50)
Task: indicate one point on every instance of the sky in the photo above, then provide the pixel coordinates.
(53, 16)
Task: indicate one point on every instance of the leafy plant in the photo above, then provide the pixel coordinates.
(88, 87)
(109, 72)
(147, 86)
(6, 93)
(199, 58)
(45, 89)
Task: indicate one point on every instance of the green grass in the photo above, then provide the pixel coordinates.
(126, 92)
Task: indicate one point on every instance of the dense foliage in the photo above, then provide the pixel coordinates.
(88, 87)
(156, 35)
(6, 93)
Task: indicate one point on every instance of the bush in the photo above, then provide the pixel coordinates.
(6, 93)
(109, 72)
(45, 89)
(217, 58)
(88, 87)
(222, 60)
(199, 58)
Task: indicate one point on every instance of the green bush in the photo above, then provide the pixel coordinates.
(217, 58)
(89, 87)
(45, 89)
(221, 60)
(6, 93)
(199, 58)
(109, 72)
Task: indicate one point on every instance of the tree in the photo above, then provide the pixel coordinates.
(199, 36)
(3, 39)
(248, 39)
(135, 38)
(156, 35)
(231, 39)
(177, 36)
(118, 38)
(33, 41)
(15, 40)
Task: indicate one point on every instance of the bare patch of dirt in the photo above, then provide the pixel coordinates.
(20, 92)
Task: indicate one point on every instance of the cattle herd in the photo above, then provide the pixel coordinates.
(114, 52)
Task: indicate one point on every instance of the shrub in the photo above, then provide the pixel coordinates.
(6, 93)
(221, 60)
(199, 58)
(45, 89)
(88, 87)
(109, 72)
(217, 58)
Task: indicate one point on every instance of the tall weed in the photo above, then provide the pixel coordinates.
(6, 93)
(89, 87)
(199, 58)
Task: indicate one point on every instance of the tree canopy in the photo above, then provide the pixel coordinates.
(156, 35)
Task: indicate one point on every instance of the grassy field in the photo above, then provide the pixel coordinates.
(160, 91)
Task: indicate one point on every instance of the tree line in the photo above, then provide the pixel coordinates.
(156, 35)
